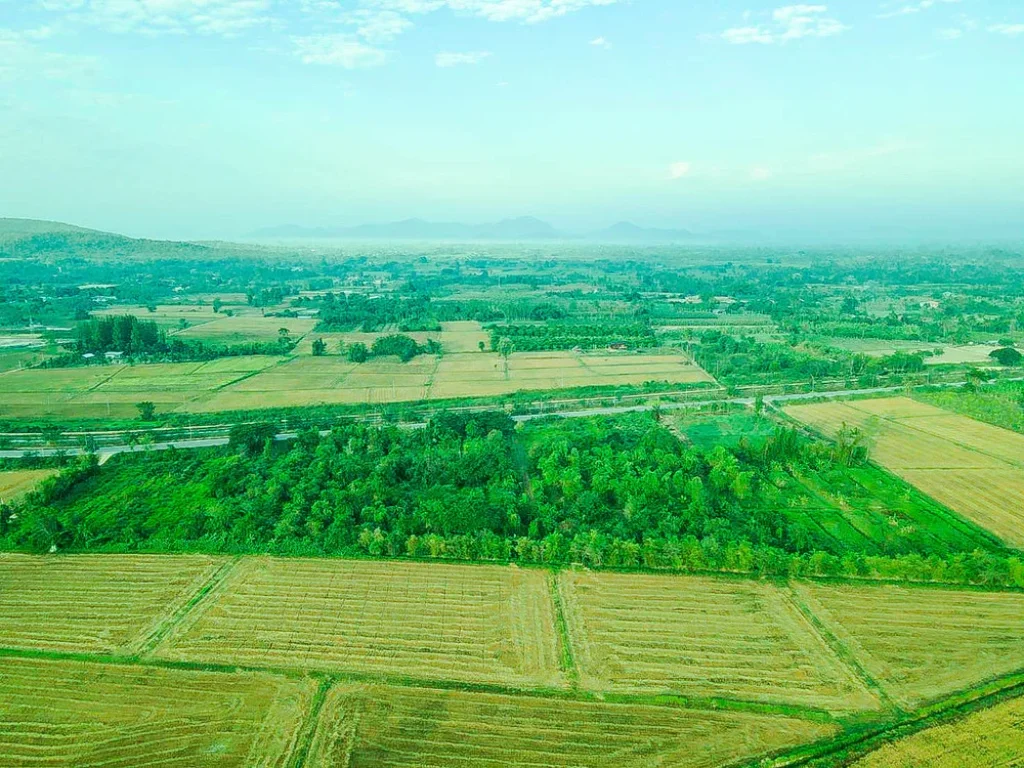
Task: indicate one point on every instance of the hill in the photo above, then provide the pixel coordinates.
(31, 238)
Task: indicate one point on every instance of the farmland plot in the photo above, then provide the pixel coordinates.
(364, 726)
(973, 468)
(702, 637)
(66, 713)
(991, 738)
(921, 643)
(93, 603)
(428, 621)
(17, 483)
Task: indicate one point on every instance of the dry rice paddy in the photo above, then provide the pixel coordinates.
(971, 467)
(991, 738)
(702, 637)
(486, 624)
(93, 603)
(920, 643)
(252, 383)
(379, 726)
(17, 483)
(85, 715)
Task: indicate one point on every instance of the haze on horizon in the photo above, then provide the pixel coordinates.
(214, 118)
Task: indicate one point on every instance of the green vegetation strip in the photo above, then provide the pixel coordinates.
(310, 723)
(858, 741)
(165, 628)
(840, 649)
(567, 661)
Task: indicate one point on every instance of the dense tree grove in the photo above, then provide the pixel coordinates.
(569, 335)
(745, 360)
(468, 484)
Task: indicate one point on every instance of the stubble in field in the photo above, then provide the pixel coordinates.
(426, 621)
(702, 637)
(75, 714)
(363, 726)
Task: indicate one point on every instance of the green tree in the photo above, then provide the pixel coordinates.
(1007, 356)
(147, 410)
(319, 348)
(358, 353)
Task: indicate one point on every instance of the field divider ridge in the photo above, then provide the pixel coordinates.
(856, 742)
(166, 628)
(309, 725)
(566, 657)
(843, 653)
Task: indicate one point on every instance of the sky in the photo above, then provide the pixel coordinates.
(212, 118)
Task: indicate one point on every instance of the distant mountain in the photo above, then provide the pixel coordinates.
(522, 228)
(628, 232)
(24, 238)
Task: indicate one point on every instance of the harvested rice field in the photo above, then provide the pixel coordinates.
(991, 738)
(16, 483)
(921, 644)
(81, 714)
(424, 621)
(702, 637)
(363, 726)
(94, 603)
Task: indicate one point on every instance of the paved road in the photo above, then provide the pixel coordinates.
(104, 453)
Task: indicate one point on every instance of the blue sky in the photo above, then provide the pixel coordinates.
(209, 118)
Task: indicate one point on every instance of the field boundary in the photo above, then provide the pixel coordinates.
(566, 656)
(166, 628)
(843, 653)
(696, 703)
(858, 742)
(310, 724)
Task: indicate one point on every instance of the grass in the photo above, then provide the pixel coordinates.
(472, 624)
(81, 713)
(702, 637)
(998, 404)
(94, 603)
(382, 726)
(972, 468)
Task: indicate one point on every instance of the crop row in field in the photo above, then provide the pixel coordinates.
(363, 726)
(973, 468)
(493, 625)
(79, 714)
(629, 634)
(93, 603)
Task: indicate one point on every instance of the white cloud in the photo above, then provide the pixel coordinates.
(949, 33)
(841, 160)
(910, 8)
(21, 58)
(788, 22)
(339, 51)
(600, 42)
(447, 59)
(1007, 29)
(679, 170)
(760, 173)
(208, 17)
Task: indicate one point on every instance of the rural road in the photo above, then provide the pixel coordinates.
(106, 452)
